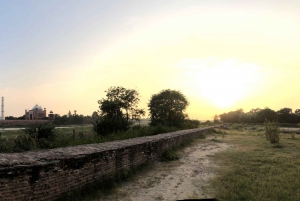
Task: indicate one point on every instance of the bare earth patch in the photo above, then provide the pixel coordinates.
(183, 179)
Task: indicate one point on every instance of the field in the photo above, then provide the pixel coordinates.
(234, 164)
(256, 169)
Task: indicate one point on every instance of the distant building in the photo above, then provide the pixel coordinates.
(38, 113)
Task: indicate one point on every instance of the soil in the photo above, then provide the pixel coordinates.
(186, 178)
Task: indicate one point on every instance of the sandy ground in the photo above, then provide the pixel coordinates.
(183, 179)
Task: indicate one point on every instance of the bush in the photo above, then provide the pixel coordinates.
(159, 129)
(41, 131)
(190, 123)
(170, 155)
(6, 145)
(272, 131)
(24, 142)
(106, 125)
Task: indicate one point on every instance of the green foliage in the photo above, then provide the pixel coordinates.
(6, 145)
(166, 108)
(71, 119)
(159, 129)
(24, 142)
(190, 123)
(284, 115)
(232, 117)
(41, 131)
(257, 170)
(117, 111)
(170, 155)
(41, 135)
(64, 137)
(293, 136)
(105, 125)
(272, 131)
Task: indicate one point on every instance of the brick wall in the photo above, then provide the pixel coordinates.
(46, 174)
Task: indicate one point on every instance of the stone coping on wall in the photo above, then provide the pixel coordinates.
(48, 156)
(44, 175)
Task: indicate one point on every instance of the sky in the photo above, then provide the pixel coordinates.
(222, 55)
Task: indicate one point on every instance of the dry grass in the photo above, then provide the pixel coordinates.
(256, 169)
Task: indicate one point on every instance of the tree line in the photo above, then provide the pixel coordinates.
(70, 118)
(284, 115)
(119, 110)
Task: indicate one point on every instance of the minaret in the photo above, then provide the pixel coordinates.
(2, 109)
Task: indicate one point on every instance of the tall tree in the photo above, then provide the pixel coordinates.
(167, 108)
(266, 114)
(118, 110)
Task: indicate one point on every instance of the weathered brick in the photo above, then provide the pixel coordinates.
(46, 174)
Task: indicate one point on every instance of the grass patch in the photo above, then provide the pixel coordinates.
(65, 137)
(258, 170)
(173, 153)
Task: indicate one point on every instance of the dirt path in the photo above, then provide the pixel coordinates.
(183, 179)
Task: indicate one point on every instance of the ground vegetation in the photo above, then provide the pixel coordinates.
(267, 172)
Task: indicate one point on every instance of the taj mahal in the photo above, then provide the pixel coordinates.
(38, 113)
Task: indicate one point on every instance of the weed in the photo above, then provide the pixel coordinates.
(256, 170)
(24, 142)
(159, 197)
(202, 136)
(277, 145)
(293, 136)
(272, 131)
(215, 140)
(170, 155)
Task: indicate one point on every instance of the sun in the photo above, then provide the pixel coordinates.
(226, 82)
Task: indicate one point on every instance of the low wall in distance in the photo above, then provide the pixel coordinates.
(47, 174)
(22, 122)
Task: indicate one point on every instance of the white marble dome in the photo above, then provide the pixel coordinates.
(38, 107)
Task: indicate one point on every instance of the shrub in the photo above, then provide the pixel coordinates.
(169, 155)
(41, 131)
(24, 142)
(272, 131)
(159, 129)
(190, 123)
(42, 134)
(106, 125)
(6, 145)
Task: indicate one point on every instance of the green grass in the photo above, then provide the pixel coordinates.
(256, 169)
(83, 135)
(173, 154)
(10, 133)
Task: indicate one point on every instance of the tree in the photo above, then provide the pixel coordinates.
(266, 114)
(118, 110)
(216, 119)
(232, 116)
(166, 108)
(286, 115)
(95, 115)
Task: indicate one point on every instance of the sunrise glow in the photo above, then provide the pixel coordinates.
(222, 55)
